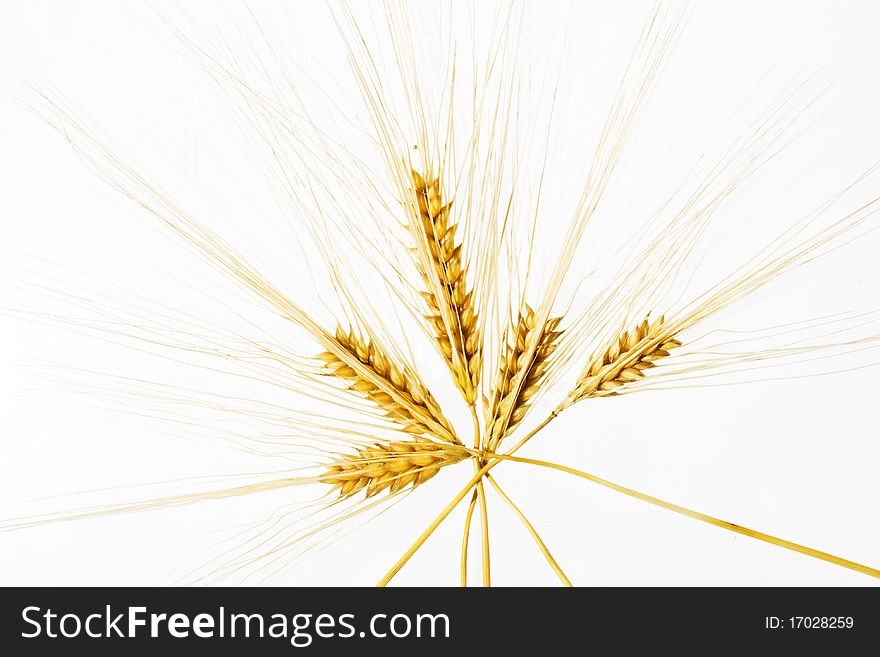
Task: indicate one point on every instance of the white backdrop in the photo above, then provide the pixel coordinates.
(797, 458)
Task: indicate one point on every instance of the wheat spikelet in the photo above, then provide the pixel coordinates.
(624, 361)
(411, 406)
(519, 375)
(393, 465)
(451, 304)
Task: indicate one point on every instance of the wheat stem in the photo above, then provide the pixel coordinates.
(479, 495)
(426, 534)
(433, 526)
(484, 524)
(745, 531)
(541, 546)
(465, 538)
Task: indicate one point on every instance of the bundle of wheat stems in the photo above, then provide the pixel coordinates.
(442, 231)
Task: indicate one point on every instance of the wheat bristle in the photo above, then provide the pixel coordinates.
(519, 380)
(625, 361)
(452, 312)
(392, 465)
(412, 407)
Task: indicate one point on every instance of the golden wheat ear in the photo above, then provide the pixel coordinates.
(450, 300)
(391, 465)
(624, 361)
(525, 359)
(394, 389)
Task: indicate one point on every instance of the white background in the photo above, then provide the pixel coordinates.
(797, 458)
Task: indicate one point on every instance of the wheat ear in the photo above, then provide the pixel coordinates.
(393, 465)
(526, 358)
(624, 361)
(398, 392)
(450, 302)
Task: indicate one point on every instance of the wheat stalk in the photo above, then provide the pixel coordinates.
(450, 301)
(624, 361)
(526, 357)
(393, 465)
(403, 398)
